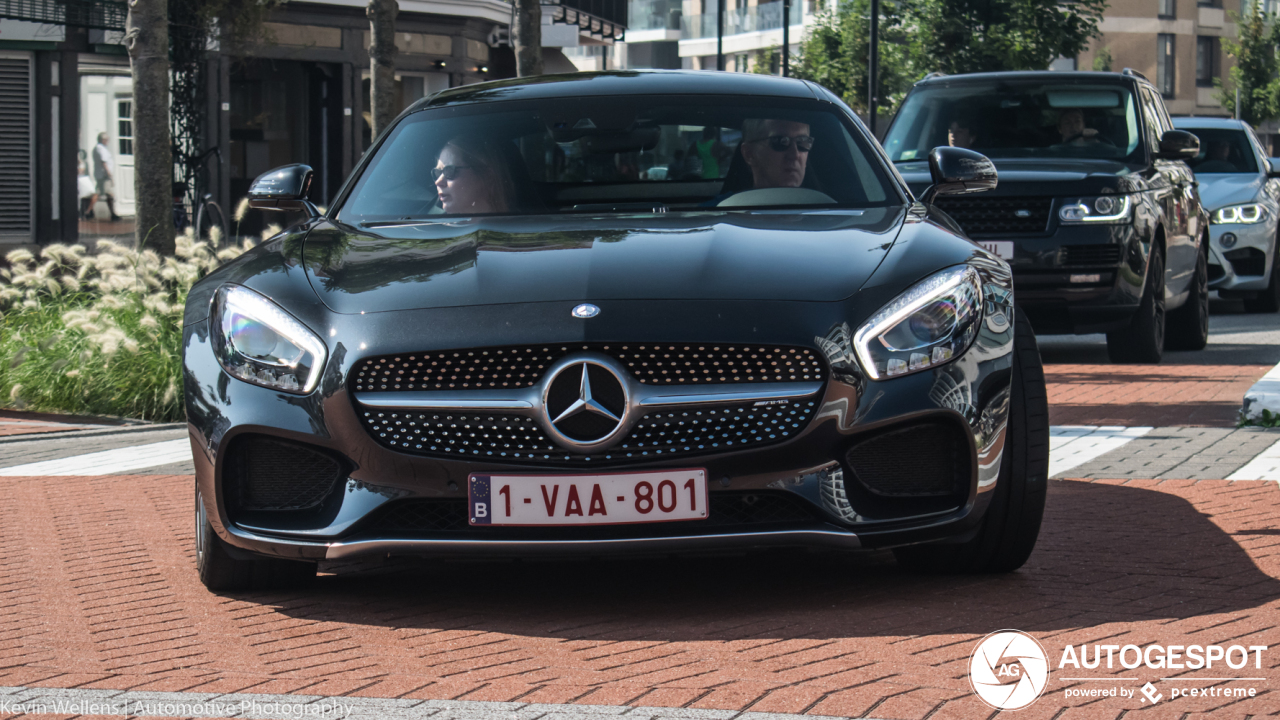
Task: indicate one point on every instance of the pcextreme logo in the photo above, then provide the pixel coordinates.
(1009, 670)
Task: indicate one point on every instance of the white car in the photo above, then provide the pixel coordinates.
(1240, 188)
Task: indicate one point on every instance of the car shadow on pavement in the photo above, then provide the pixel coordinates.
(1107, 553)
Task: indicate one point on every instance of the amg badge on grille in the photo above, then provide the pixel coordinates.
(586, 310)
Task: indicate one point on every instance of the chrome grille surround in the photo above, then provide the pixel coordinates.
(524, 366)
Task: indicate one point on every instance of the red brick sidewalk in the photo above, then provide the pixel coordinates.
(97, 589)
(1149, 395)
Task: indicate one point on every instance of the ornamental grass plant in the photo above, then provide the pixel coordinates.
(100, 333)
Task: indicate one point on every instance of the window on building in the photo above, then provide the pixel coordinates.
(124, 126)
(1167, 9)
(1166, 78)
(1209, 3)
(1206, 61)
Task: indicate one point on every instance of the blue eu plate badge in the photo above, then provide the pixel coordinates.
(478, 495)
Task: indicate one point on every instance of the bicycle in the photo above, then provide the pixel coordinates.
(208, 213)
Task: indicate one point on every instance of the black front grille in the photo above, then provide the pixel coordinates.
(268, 474)
(931, 459)
(524, 366)
(1108, 255)
(1247, 261)
(514, 438)
(728, 509)
(998, 215)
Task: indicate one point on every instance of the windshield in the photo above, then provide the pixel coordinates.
(1014, 120)
(1223, 151)
(632, 154)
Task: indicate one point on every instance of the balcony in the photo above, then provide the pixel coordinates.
(743, 20)
(653, 20)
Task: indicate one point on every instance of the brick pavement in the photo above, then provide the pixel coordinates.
(1148, 395)
(97, 590)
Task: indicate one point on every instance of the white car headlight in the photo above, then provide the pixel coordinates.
(1246, 214)
(926, 326)
(1103, 210)
(258, 342)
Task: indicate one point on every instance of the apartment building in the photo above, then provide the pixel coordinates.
(675, 34)
(1177, 44)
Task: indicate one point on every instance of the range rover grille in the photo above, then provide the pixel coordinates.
(518, 439)
(998, 215)
(524, 366)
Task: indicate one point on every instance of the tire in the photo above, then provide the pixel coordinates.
(1267, 301)
(220, 571)
(1189, 325)
(1143, 340)
(1011, 525)
(210, 217)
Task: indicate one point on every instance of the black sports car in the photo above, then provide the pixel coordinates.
(612, 312)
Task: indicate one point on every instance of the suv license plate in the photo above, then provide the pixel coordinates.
(608, 499)
(1002, 249)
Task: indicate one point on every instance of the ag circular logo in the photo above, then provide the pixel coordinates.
(1009, 670)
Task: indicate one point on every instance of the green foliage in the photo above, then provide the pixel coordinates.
(99, 334)
(1267, 419)
(1257, 68)
(1102, 60)
(950, 36)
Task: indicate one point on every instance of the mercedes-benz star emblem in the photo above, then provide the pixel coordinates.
(584, 402)
(586, 310)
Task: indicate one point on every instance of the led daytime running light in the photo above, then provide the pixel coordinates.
(928, 291)
(1247, 214)
(1084, 210)
(298, 371)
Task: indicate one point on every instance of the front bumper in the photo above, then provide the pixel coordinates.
(1246, 265)
(969, 394)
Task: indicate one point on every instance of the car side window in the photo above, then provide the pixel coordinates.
(1150, 120)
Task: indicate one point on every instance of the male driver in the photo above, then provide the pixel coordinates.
(776, 151)
(1073, 130)
(104, 167)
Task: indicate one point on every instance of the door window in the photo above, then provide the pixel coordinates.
(124, 126)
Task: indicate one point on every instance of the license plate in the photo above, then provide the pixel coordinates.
(609, 499)
(1001, 249)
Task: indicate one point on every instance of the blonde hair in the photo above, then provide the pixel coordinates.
(488, 161)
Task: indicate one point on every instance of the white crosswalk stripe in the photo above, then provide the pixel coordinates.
(1074, 445)
(1264, 466)
(108, 462)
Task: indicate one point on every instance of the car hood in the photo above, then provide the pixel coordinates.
(1222, 189)
(762, 255)
(1044, 176)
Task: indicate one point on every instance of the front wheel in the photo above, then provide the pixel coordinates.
(1189, 324)
(1143, 340)
(1011, 525)
(219, 570)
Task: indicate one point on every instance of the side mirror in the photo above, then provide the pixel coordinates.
(1273, 169)
(284, 188)
(1178, 145)
(957, 171)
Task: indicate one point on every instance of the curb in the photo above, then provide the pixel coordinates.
(91, 432)
(1264, 395)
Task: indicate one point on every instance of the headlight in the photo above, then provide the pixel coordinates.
(1105, 210)
(928, 325)
(1247, 214)
(260, 343)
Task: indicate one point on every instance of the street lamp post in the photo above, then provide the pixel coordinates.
(786, 37)
(873, 63)
(719, 35)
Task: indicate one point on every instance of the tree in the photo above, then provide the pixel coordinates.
(382, 64)
(1102, 60)
(147, 40)
(1256, 69)
(528, 38)
(836, 52)
(963, 36)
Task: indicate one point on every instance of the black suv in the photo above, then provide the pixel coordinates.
(1096, 210)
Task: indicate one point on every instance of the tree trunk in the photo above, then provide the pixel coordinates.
(528, 38)
(147, 38)
(382, 64)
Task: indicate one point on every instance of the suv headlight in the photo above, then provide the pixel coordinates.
(1104, 210)
(1246, 214)
(258, 342)
(926, 326)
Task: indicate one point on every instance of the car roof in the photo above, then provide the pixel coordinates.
(630, 82)
(1037, 75)
(1210, 123)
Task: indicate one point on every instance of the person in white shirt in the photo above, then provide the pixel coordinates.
(104, 173)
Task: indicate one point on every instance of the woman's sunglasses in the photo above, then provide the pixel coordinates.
(782, 143)
(448, 172)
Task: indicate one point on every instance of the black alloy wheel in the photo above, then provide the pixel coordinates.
(1143, 340)
(1267, 301)
(1009, 529)
(220, 571)
(1189, 325)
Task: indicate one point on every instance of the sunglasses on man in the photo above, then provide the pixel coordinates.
(448, 172)
(782, 143)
